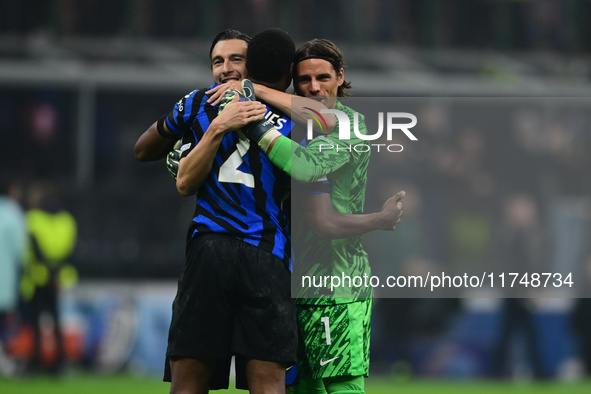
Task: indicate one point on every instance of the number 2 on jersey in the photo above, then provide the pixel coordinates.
(229, 171)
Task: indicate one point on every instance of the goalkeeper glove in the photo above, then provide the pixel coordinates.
(248, 89)
(229, 96)
(263, 131)
(172, 159)
(247, 94)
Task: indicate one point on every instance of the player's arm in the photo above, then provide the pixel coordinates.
(327, 223)
(298, 108)
(308, 164)
(156, 142)
(304, 164)
(196, 165)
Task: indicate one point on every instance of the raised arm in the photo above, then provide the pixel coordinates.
(299, 109)
(307, 164)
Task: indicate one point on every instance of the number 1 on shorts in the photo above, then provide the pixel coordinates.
(326, 328)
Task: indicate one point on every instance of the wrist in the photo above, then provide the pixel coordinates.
(260, 91)
(268, 140)
(217, 129)
(380, 220)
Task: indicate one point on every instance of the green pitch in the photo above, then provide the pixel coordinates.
(113, 384)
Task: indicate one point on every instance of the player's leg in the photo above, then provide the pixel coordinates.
(345, 385)
(265, 377)
(336, 340)
(308, 385)
(190, 375)
(203, 316)
(266, 330)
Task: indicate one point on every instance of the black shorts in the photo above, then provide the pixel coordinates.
(232, 298)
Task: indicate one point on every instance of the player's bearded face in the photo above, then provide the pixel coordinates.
(316, 78)
(228, 61)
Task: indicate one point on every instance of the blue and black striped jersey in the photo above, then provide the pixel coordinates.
(244, 194)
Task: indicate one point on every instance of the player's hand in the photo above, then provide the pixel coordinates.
(261, 131)
(244, 87)
(248, 89)
(216, 94)
(172, 159)
(391, 212)
(236, 113)
(230, 96)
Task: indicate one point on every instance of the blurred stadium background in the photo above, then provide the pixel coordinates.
(80, 80)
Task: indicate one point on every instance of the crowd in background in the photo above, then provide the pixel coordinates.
(477, 24)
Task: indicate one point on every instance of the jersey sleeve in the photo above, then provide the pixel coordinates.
(186, 111)
(190, 118)
(308, 164)
(323, 155)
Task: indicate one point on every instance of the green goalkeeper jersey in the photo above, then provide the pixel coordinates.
(338, 166)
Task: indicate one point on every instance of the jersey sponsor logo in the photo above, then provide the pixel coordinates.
(181, 102)
(278, 120)
(323, 363)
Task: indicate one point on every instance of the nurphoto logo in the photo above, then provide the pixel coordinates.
(392, 124)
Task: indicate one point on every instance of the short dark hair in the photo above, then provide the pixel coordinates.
(228, 34)
(320, 48)
(270, 55)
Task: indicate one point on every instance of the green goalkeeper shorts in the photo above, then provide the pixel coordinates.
(334, 339)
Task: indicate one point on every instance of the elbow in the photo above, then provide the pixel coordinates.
(183, 189)
(323, 230)
(139, 154)
(185, 186)
(144, 153)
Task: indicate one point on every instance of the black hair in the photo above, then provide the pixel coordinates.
(228, 34)
(320, 48)
(270, 55)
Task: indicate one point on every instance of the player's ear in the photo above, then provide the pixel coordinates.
(341, 76)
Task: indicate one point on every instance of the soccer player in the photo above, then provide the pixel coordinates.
(334, 326)
(233, 295)
(228, 52)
